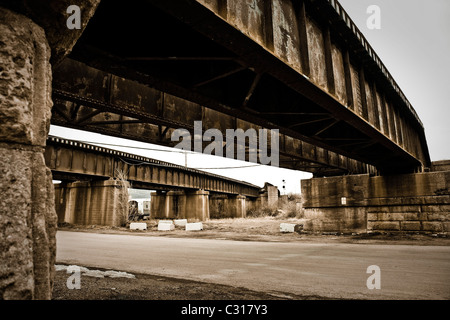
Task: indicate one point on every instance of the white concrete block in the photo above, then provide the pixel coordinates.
(194, 226)
(138, 226)
(287, 227)
(180, 222)
(165, 226)
(165, 221)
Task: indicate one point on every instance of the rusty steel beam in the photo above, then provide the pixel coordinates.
(147, 110)
(74, 160)
(303, 49)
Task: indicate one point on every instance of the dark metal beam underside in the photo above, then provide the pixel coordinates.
(185, 49)
(114, 106)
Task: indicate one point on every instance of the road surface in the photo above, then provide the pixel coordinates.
(327, 270)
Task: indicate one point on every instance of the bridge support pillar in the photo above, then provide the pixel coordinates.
(92, 203)
(269, 196)
(158, 205)
(417, 202)
(27, 213)
(228, 206)
(191, 205)
(33, 35)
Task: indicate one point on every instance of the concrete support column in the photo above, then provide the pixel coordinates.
(158, 205)
(92, 203)
(197, 206)
(27, 214)
(228, 206)
(269, 197)
(168, 205)
(191, 205)
(175, 205)
(238, 206)
(29, 31)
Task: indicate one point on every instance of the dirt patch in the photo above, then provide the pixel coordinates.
(268, 229)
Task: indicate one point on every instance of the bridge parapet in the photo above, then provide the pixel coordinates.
(318, 39)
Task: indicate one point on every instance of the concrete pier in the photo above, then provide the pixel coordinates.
(92, 203)
(227, 206)
(33, 38)
(409, 202)
(191, 205)
(28, 221)
(269, 196)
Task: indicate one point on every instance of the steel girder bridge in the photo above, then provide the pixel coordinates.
(144, 69)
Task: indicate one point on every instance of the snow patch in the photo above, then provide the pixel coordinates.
(96, 273)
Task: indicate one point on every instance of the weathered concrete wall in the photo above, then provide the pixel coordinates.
(31, 33)
(226, 206)
(91, 203)
(410, 202)
(27, 215)
(191, 205)
(443, 165)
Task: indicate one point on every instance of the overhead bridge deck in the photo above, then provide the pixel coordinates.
(115, 106)
(72, 160)
(300, 66)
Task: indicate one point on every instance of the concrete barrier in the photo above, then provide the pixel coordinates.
(138, 226)
(166, 225)
(194, 226)
(165, 221)
(180, 222)
(287, 227)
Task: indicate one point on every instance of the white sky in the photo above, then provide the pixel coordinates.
(414, 45)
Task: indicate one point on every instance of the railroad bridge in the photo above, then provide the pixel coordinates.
(143, 69)
(93, 178)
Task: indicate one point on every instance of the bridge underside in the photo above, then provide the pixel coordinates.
(300, 76)
(100, 102)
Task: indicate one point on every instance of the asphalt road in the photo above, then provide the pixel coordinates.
(328, 270)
